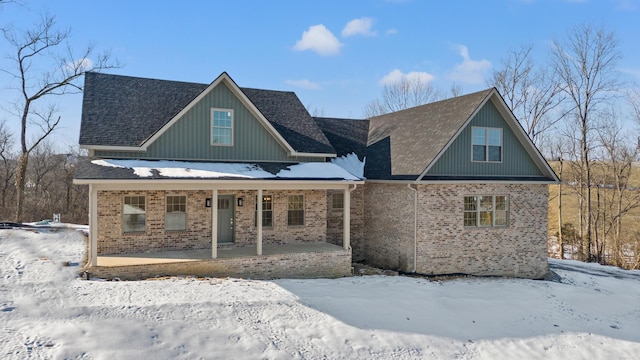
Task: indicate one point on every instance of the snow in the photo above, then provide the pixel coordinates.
(48, 312)
(351, 163)
(185, 169)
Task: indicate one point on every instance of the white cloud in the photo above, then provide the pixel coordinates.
(397, 75)
(360, 26)
(391, 31)
(80, 65)
(470, 71)
(319, 39)
(303, 83)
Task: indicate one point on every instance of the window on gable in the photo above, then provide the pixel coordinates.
(295, 214)
(221, 127)
(487, 144)
(267, 211)
(134, 214)
(486, 210)
(175, 219)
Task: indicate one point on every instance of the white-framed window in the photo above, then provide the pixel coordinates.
(486, 143)
(175, 217)
(337, 200)
(134, 213)
(222, 127)
(267, 211)
(486, 210)
(295, 213)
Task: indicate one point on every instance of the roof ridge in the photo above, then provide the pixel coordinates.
(455, 98)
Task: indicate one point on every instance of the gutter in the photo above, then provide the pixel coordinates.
(415, 225)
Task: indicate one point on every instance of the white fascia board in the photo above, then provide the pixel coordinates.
(112, 148)
(313, 154)
(193, 184)
(445, 182)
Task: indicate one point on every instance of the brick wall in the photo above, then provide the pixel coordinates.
(444, 245)
(329, 264)
(112, 239)
(389, 226)
(335, 221)
(315, 223)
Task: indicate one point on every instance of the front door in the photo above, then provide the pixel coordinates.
(225, 218)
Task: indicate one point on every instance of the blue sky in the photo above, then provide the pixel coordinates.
(335, 55)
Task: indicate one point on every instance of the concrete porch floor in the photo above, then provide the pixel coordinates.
(166, 257)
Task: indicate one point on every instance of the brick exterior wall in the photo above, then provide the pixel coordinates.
(328, 264)
(389, 226)
(335, 221)
(315, 219)
(444, 244)
(113, 240)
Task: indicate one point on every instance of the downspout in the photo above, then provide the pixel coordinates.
(415, 226)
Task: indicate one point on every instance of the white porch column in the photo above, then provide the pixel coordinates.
(346, 221)
(259, 223)
(93, 226)
(214, 223)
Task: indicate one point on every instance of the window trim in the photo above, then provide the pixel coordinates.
(289, 210)
(124, 197)
(255, 216)
(211, 126)
(486, 145)
(493, 211)
(166, 204)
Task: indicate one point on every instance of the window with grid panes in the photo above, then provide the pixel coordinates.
(295, 214)
(175, 217)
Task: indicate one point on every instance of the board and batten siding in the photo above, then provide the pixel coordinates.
(190, 137)
(457, 158)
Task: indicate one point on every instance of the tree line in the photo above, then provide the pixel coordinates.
(49, 187)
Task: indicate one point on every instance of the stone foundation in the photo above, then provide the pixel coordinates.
(328, 264)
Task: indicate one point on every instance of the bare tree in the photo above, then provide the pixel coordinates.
(403, 94)
(585, 64)
(7, 168)
(44, 47)
(559, 152)
(621, 154)
(532, 93)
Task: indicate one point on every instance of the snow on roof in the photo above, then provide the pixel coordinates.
(351, 163)
(184, 169)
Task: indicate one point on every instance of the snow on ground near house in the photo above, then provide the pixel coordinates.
(184, 169)
(47, 312)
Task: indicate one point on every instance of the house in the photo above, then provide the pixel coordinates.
(219, 180)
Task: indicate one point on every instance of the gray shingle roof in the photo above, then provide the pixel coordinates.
(403, 143)
(125, 111)
(346, 135)
(291, 119)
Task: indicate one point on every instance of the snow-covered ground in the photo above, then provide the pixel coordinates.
(47, 312)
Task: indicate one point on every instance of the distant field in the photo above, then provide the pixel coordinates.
(631, 221)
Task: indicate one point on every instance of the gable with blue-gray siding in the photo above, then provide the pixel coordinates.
(189, 138)
(456, 160)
